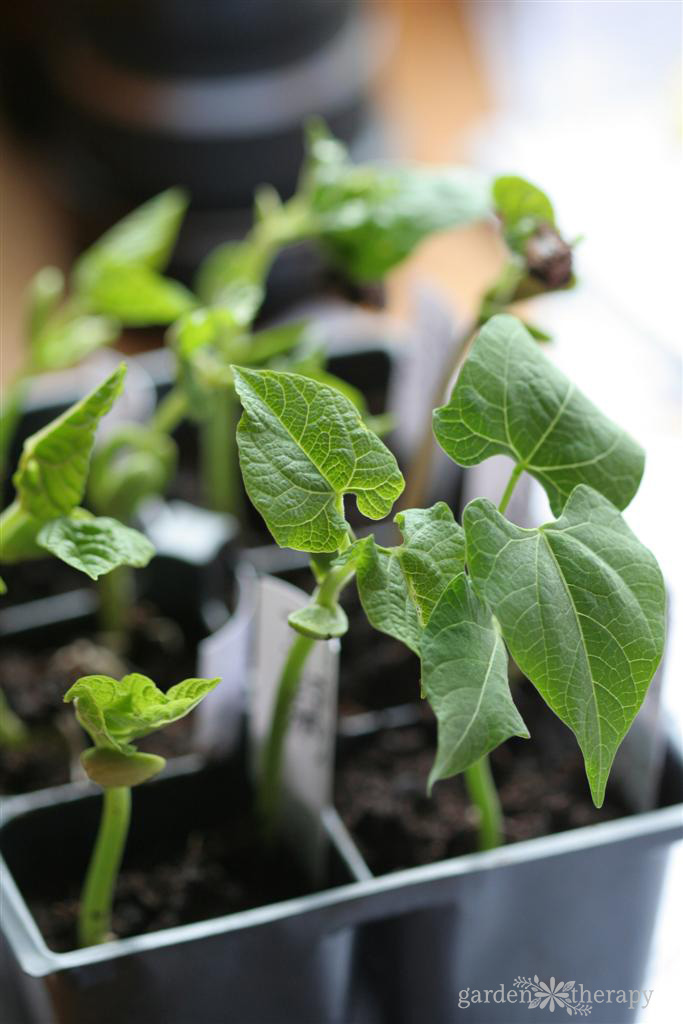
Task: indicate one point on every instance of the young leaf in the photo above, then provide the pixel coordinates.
(68, 339)
(432, 554)
(383, 592)
(137, 296)
(134, 463)
(510, 399)
(581, 605)
(53, 468)
(145, 237)
(114, 713)
(95, 546)
(303, 446)
(371, 217)
(522, 207)
(465, 679)
(234, 276)
(399, 587)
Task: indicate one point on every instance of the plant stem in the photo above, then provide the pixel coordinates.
(18, 535)
(484, 796)
(268, 794)
(170, 411)
(13, 732)
(271, 765)
(219, 463)
(94, 921)
(478, 777)
(511, 484)
(116, 592)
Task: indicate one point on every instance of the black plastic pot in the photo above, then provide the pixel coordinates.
(401, 948)
(280, 963)
(148, 95)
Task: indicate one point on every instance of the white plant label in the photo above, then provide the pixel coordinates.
(226, 654)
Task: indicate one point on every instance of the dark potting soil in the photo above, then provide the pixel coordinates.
(381, 790)
(219, 870)
(34, 683)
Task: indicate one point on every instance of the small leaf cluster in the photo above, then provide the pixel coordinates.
(539, 259)
(115, 713)
(50, 483)
(578, 602)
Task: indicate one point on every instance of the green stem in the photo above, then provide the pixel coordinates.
(18, 535)
(170, 411)
(116, 593)
(221, 481)
(484, 796)
(94, 920)
(511, 484)
(478, 777)
(268, 794)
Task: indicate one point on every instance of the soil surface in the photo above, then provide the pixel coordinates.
(381, 790)
(218, 870)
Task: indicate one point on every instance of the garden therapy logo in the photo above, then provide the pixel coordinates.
(565, 995)
(555, 993)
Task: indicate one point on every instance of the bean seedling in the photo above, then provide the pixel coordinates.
(578, 602)
(115, 713)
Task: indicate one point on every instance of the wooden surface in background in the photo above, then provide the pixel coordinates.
(432, 93)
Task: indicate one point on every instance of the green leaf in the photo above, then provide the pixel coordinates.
(134, 463)
(114, 713)
(465, 679)
(511, 400)
(3, 586)
(233, 276)
(522, 207)
(384, 593)
(432, 554)
(68, 339)
(53, 468)
(95, 546)
(137, 295)
(581, 605)
(145, 238)
(371, 217)
(320, 622)
(399, 587)
(303, 446)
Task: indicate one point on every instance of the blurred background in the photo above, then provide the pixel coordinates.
(106, 102)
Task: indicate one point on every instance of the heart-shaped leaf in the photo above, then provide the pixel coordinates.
(465, 679)
(581, 605)
(303, 446)
(511, 400)
(95, 546)
(53, 468)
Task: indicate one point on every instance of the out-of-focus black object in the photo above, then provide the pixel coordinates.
(133, 96)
